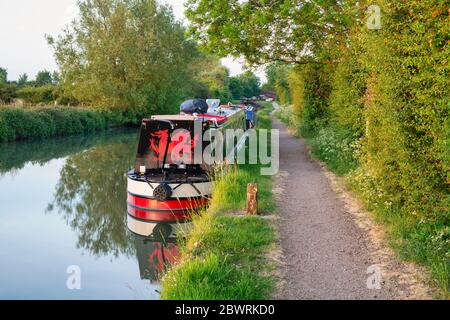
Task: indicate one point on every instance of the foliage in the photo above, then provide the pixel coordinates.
(211, 79)
(245, 85)
(3, 76)
(236, 88)
(277, 77)
(271, 75)
(380, 115)
(36, 123)
(125, 54)
(35, 95)
(43, 78)
(23, 80)
(294, 31)
(8, 92)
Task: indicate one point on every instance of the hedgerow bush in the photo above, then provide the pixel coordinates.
(337, 147)
(8, 92)
(37, 123)
(406, 107)
(383, 108)
(35, 95)
(285, 113)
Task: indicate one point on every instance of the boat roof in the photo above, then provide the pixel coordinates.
(219, 114)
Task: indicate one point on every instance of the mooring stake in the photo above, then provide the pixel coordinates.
(252, 198)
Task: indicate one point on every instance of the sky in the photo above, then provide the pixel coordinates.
(24, 24)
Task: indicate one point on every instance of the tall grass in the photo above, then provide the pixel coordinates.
(223, 258)
(44, 122)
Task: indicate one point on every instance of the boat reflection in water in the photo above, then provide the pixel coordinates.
(158, 249)
(155, 243)
(154, 256)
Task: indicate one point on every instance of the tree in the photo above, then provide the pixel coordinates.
(43, 78)
(23, 80)
(277, 80)
(271, 74)
(3, 75)
(125, 55)
(236, 88)
(211, 78)
(250, 84)
(293, 31)
(245, 85)
(55, 77)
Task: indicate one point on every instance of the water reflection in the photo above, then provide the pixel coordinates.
(91, 196)
(154, 256)
(62, 203)
(15, 155)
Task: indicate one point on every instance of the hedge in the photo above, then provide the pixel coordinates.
(380, 115)
(45, 122)
(35, 95)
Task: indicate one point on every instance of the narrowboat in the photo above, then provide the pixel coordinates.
(171, 179)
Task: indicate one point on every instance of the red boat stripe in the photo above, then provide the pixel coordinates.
(171, 204)
(158, 215)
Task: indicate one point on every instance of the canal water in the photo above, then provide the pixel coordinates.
(63, 232)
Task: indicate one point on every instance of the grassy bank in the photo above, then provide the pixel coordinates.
(44, 122)
(223, 256)
(424, 240)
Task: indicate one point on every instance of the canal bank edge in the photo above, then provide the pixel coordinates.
(228, 255)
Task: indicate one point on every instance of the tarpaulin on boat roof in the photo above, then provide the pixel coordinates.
(194, 106)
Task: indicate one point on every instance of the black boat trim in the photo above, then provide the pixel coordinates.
(187, 180)
(177, 198)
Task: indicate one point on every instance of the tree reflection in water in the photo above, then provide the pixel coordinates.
(91, 196)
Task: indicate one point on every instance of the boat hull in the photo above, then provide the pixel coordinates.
(147, 215)
(148, 228)
(180, 190)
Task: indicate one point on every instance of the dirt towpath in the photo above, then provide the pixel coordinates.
(328, 251)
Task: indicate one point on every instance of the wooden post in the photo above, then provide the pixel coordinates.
(252, 198)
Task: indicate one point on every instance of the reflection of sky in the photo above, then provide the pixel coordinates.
(37, 247)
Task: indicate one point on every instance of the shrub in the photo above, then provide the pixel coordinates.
(8, 92)
(383, 109)
(44, 122)
(3, 131)
(35, 95)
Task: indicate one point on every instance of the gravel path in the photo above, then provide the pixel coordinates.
(326, 255)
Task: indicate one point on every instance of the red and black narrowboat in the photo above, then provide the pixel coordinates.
(170, 180)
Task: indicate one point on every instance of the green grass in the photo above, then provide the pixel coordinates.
(331, 144)
(334, 147)
(425, 241)
(223, 256)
